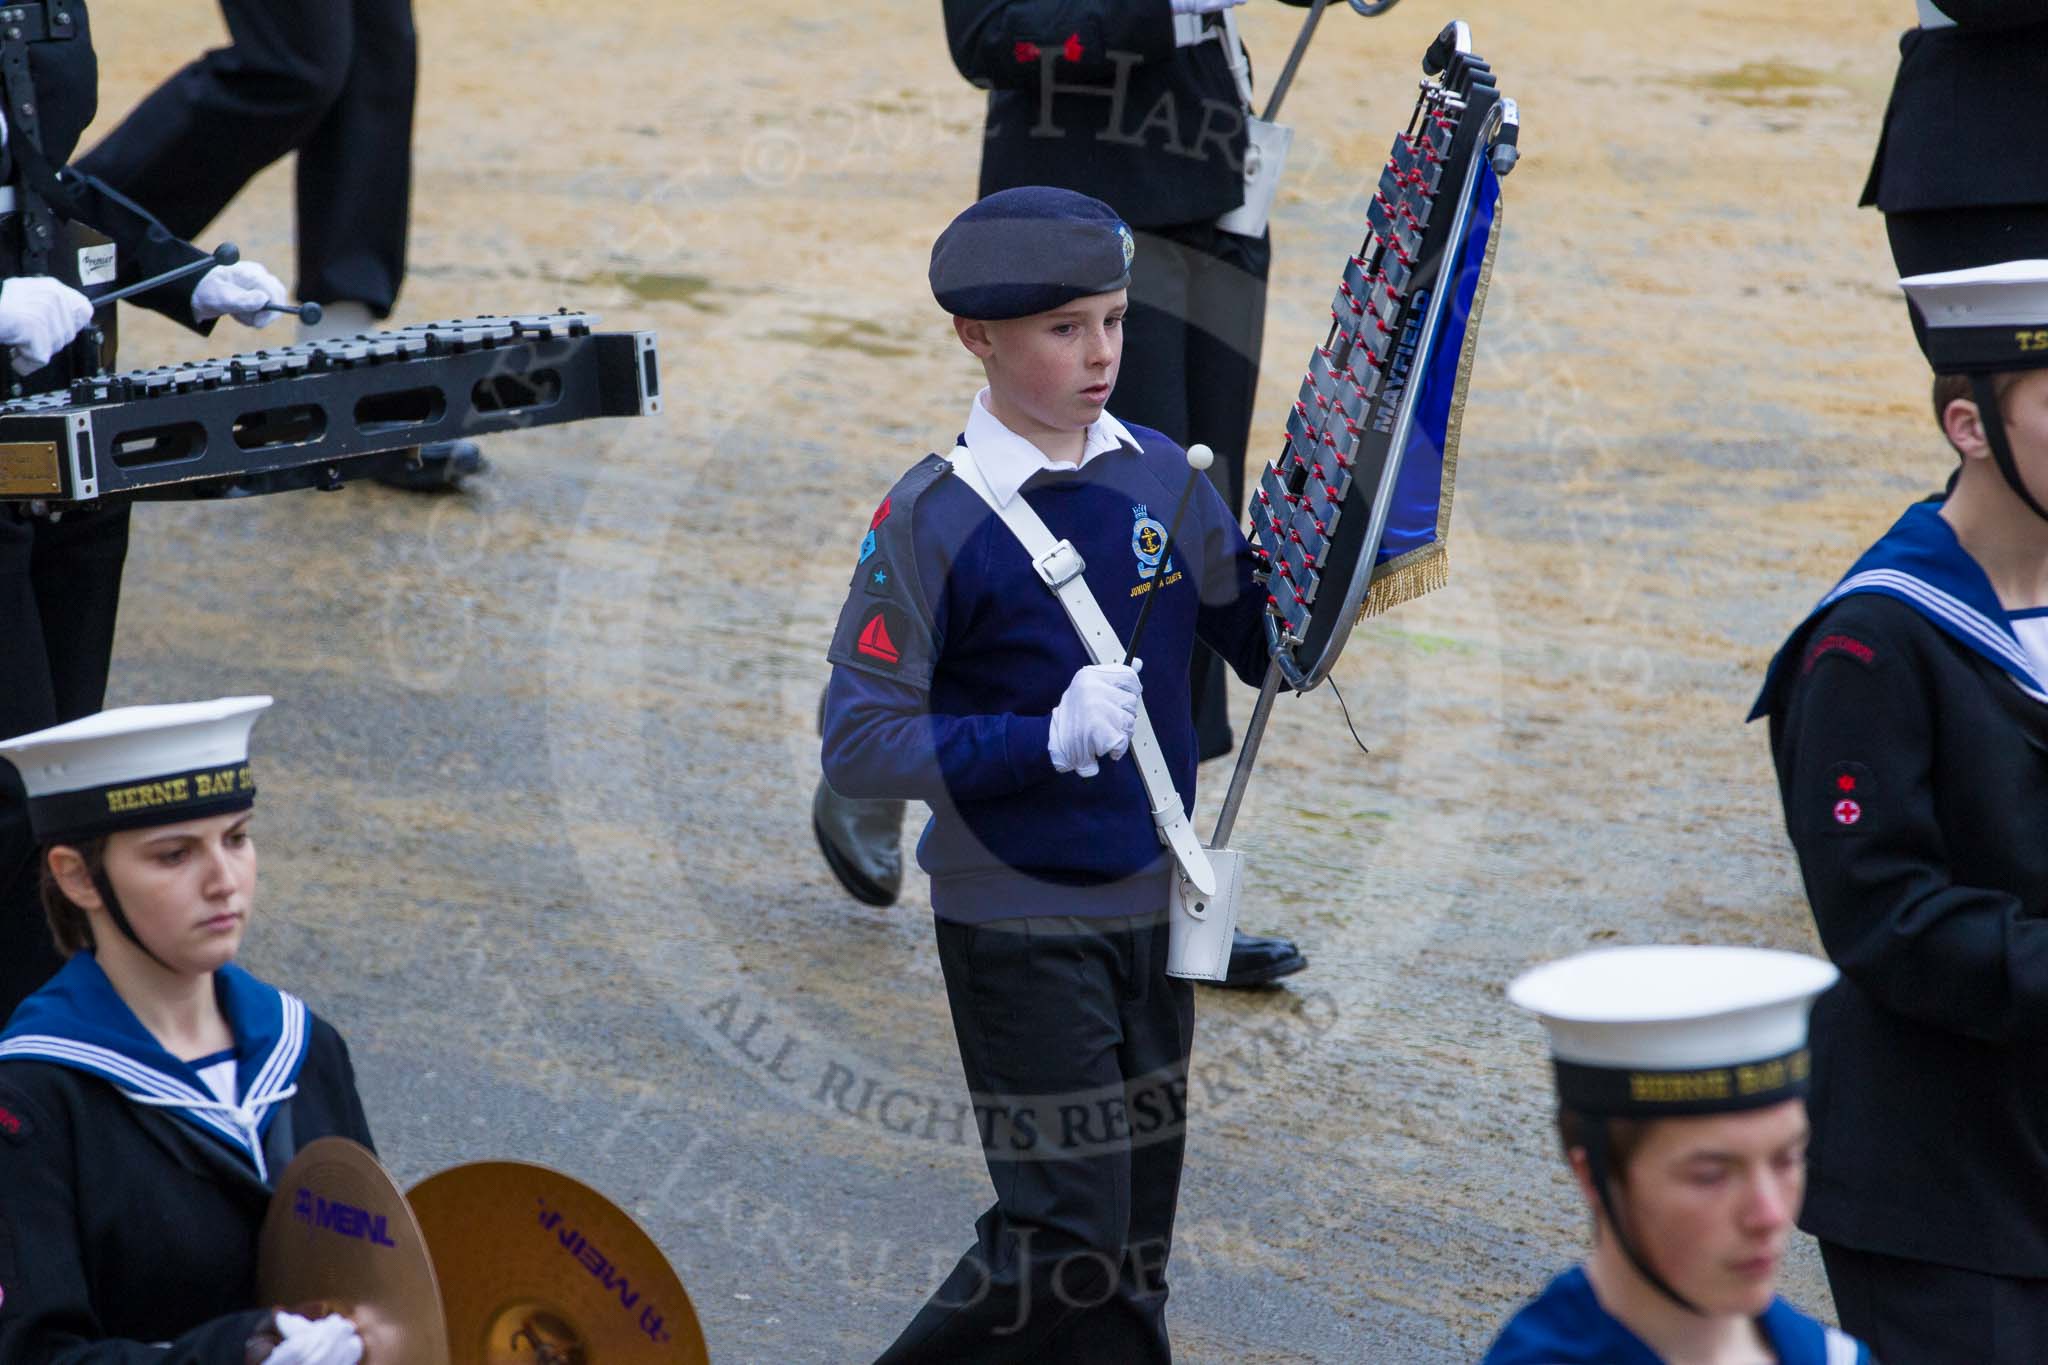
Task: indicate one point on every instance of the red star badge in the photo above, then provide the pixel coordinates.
(1845, 783)
(1073, 50)
(1026, 52)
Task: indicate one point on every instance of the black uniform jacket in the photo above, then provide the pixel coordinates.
(1093, 96)
(65, 73)
(1963, 126)
(1914, 774)
(122, 1226)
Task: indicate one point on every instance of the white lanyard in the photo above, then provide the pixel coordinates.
(1060, 565)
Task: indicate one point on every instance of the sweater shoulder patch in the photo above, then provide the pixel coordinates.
(885, 625)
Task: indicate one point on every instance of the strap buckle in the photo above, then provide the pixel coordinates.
(1060, 565)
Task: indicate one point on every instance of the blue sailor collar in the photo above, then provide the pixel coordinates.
(79, 1021)
(1921, 563)
(1567, 1324)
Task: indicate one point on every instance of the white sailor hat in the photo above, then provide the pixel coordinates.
(1987, 318)
(137, 766)
(1667, 1031)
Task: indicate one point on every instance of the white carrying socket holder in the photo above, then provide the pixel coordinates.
(1265, 157)
(1265, 150)
(1199, 935)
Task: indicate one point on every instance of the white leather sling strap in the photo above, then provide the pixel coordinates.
(1060, 566)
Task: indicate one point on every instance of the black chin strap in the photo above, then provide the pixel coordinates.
(1992, 418)
(1596, 1167)
(113, 904)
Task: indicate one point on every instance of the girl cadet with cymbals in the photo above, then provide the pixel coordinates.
(1681, 1083)
(150, 1091)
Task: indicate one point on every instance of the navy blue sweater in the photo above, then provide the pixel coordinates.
(983, 651)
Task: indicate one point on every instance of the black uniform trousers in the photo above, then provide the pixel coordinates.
(1190, 369)
(1075, 1043)
(1936, 1314)
(332, 81)
(60, 583)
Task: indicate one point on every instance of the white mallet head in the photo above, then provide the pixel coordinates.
(1200, 456)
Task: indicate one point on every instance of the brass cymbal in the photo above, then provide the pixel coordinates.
(539, 1269)
(340, 1238)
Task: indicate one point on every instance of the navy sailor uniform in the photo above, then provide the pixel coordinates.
(1565, 1325)
(1909, 724)
(131, 1197)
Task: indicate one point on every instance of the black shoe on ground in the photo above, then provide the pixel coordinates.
(1256, 960)
(862, 842)
(435, 468)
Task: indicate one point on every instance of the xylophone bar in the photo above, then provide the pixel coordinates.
(314, 414)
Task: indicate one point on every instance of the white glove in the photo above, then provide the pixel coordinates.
(38, 317)
(1204, 6)
(1095, 717)
(243, 291)
(331, 1340)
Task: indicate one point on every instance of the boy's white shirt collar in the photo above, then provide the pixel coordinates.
(1007, 459)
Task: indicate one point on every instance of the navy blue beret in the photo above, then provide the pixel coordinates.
(1027, 250)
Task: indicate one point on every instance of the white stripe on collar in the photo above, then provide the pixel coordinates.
(1995, 637)
(1007, 459)
(143, 1084)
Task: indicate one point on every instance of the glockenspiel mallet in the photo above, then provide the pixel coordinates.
(1200, 457)
(227, 253)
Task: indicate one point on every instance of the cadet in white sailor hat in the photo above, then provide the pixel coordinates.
(1681, 1083)
(1909, 727)
(152, 1087)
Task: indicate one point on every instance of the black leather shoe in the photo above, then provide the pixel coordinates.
(862, 842)
(1256, 960)
(434, 468)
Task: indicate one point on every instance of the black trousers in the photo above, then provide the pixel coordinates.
(60, 583)
(1956, 239)
(1931, 1314)
(1192, 340)
(1075, 1043)
(332, 80)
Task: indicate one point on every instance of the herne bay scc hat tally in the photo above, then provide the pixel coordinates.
(137, 766)
(1669, 1031)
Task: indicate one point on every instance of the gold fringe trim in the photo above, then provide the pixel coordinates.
(1407, 577)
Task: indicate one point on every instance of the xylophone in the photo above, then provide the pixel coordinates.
(316, 413)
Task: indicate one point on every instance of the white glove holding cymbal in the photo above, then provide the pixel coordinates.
(331, 1340)
(38, 318)
(243, 291)
(1095, 717)
(1204, 6)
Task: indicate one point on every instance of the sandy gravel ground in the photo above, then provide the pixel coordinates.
(535, 831)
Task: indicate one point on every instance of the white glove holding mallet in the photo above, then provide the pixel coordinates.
(1094, 717)
(331, 1340)
(39, 316)
(244, 291)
